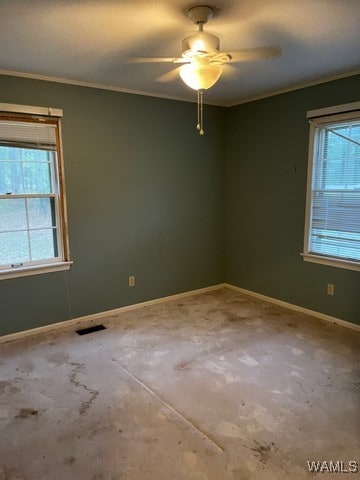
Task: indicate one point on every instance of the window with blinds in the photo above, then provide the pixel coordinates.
(32, 203)
(333, 200)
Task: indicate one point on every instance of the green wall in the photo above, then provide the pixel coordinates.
(267, 155)
(145, 197)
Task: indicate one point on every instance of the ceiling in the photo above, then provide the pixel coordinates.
(89, 42)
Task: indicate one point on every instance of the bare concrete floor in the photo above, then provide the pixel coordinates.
(216, 386)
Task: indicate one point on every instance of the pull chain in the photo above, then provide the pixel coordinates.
(198, 110)
(200, 115)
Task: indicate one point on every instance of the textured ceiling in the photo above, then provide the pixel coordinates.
(90, 40)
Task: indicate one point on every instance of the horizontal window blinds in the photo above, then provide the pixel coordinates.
(335, 191)
(28, 134)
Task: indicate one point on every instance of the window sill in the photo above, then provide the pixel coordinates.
(34, 270)
(332, 262)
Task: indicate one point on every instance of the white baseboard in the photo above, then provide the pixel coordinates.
(297, 308)
(88, 320)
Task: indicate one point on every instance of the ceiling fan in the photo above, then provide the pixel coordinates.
(202, 61)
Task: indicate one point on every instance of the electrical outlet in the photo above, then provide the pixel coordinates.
(132, 281)
(330, 289)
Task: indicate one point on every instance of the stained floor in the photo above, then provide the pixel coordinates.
(217, 386)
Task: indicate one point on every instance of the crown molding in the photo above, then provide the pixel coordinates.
(113, 88)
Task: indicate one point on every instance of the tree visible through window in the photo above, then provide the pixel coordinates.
(333, 210)
(32, 221)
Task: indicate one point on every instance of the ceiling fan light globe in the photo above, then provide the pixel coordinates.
(200, 76)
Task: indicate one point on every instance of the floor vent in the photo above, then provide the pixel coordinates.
(95, 328)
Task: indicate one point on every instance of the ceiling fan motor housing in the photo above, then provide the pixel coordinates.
(203, 44)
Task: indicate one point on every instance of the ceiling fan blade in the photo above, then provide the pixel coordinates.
(182, 60)
(250, 54)
(169, 76)
(151, 59)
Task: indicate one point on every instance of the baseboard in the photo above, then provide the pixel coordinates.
(88, 320)
(297, 308)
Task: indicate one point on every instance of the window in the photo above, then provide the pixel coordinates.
(332, 230)
(33, 236)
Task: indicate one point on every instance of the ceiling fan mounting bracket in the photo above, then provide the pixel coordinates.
(201, 14)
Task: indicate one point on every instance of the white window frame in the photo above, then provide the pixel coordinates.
(318, 118)
(62, 261)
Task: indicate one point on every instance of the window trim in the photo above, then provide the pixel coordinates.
(324, 116)
(35, 269)
(62, 262)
